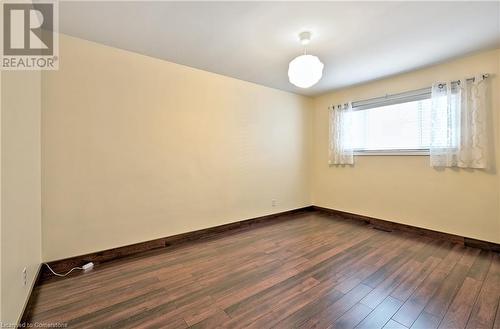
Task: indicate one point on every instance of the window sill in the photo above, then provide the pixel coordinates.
(394, 152)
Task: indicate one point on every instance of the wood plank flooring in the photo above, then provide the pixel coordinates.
(309, 271)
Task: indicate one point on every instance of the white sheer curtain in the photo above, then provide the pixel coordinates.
(458, 130)
(340, 151)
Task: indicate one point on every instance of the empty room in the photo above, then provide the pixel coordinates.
(288, 164)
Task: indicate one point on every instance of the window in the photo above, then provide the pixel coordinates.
(393, 124)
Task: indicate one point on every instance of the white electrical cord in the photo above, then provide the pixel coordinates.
(83, 268)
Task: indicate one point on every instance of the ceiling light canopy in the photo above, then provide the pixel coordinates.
(305, 70)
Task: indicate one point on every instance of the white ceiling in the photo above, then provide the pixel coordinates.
(254, 41)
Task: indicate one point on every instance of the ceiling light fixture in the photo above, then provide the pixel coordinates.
(305, 70)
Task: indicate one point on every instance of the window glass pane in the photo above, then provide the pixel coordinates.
(394, 127)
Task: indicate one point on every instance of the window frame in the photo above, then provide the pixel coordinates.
(404, 97)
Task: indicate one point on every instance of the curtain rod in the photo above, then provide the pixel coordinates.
(484, 76)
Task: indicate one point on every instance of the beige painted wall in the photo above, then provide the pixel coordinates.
(20, 189)
(406, 189)
(1, 267)
(136, 148)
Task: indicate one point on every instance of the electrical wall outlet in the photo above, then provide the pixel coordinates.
(24, 277)
(273, 202)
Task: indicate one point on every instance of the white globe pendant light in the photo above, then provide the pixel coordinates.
(305, 70)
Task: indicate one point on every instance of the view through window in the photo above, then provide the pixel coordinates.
(403, 126)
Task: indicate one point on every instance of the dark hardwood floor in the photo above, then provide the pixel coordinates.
(310, 271)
